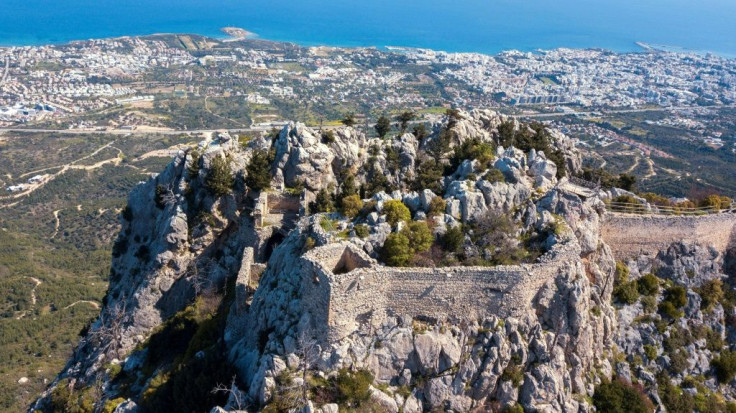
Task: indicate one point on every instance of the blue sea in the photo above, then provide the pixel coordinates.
(485, 26)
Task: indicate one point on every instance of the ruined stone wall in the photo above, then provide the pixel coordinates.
(631, 235)
(369, 295)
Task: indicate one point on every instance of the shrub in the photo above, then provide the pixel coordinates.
(494, 175)
(428, 176)
(127, 213)
(713, 341)
(711, 293)
(396, 250)
(678, 362)
(649, 303)
(648, 284)
(513, 373)
(626, 293)
(309, 243)
(437, 206)
(328, 136)
(618, 396)
(668, 309)
(323, 202)
(160, 196)
(453, 239)
(419, 235)
(383, 126)
(362, 230)
(420, 132)
(351, 206)
(473, 149)
(396, 212)
(348, 120)
(193, 167)
(353, 388)
(725, 366)
(622, 271)
(650, 351)
(220, 180)
(677, 295)
(258, 171)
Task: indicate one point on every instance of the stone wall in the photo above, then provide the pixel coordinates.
(369, 294)
(631, 235)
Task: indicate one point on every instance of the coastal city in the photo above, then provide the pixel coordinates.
(62, 82)
(396, 207)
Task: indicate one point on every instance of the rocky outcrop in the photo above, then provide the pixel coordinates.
(546, 348)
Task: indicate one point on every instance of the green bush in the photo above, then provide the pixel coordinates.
(396, 251)
(725, 366)
(353, 389)
(328, 136)
(419, 235)
(323, 202)
(678, 362)
(668, 309)
(618, 396)
(219, 179)
(362, 230)
(513, 373)
(437, 206)
(648, 284)
(453, 239)
(675, 298)
(494, 175)
(351, 206)
(711, 293)
(649, 304)
(650, 351)
(193, 168)
(396, 212)
(626, 293)
(258, 170)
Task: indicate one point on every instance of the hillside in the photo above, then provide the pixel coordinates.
(458, 267)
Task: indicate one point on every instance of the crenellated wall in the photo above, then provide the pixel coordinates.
(373, 292)
(631, 235)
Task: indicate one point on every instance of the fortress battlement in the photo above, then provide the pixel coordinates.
(631, 235)
(344, 288)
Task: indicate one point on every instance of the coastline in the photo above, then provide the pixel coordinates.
(230, 34)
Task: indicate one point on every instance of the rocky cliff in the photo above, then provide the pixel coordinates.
(224, 293)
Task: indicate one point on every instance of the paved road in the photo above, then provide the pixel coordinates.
(128, 132)
(610, 112)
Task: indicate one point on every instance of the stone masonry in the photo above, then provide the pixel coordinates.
(631, 235)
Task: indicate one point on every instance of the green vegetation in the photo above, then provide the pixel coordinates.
(396, 212)
(437, 206)
(348, 120)
(323, 202)
(351, 206)
(383, 126)
(648, 284)
(220, 180)
(258, 170)
(675, 298)
(624, 291)
(711, 293)
(618, 396)
(72, 263)
(404, 118)
(473, 149)
(725, 366)
(400, 248)
(193, 358)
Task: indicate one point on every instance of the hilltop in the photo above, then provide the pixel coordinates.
(460, 267)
